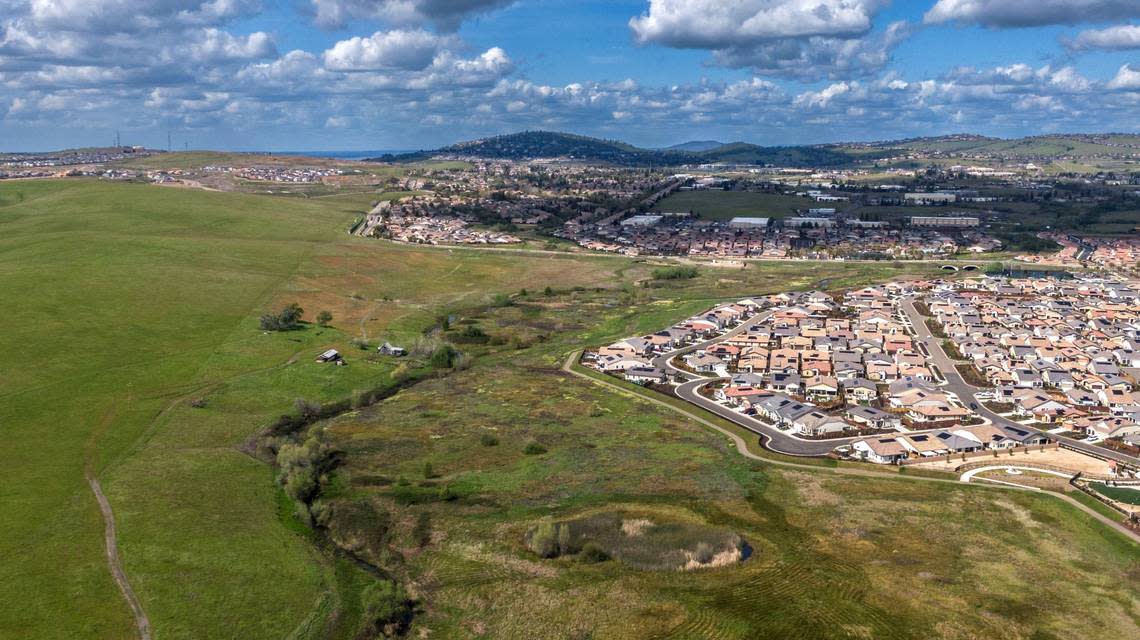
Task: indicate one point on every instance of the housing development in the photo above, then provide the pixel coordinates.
(917, 372)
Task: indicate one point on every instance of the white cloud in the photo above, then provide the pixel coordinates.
(715, 24)
(824, 97)
(1126, 79)
(803, 39)
(1030, 13)
(397, 49)
(1125, 36)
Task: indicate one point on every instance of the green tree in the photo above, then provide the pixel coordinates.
(324, 318)
(386, 608)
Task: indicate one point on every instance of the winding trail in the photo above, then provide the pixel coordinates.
(111, 542)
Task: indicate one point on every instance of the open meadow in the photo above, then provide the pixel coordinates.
(723, 205)
(133, 355)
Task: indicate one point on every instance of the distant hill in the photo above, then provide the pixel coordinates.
(530, 145)
(695, 145)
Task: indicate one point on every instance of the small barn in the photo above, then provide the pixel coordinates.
(332, 355)
(389, 349)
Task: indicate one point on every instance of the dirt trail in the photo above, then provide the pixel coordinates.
(110, 537)
(111, 541)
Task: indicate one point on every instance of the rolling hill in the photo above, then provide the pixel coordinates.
(530, 145)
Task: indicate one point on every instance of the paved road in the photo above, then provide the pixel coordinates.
(772, 438)
(967, 393)
(742, 448)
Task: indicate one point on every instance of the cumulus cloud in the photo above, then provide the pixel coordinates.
(714, 24)
(1030, 13)
(443, 14)
(1125, 36)
(120, 16)
(817, 56)
(399, 49)
(1127, 79)
(804, 39)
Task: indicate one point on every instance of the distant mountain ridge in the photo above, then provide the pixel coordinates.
(531, 145)
(695, 145)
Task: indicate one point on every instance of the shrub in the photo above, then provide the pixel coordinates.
(324, 318)
(544, 540)
(489, 440)
(592, 553)
(428, 472)
(287, 319)
(443, 357)
(198, 403)
(675, 273)
(301, 467)
(534, 449)
(501, 300)
(386, 607)
(548, 292)
(306, 409)
(360, 343)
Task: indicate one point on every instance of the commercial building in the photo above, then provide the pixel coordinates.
(944, 222)
(641, 221)
(748, 223)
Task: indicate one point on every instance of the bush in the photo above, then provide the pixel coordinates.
(548, 292)
(287, 319)
(675, 273)
(360, 343)
(534, 449)
(443, 357)
(307, 410)
(544, 540)
(324, 318)
(428, 471)
(501, 300)
(386, 608)
(592, 553)
(489, 440)
(301, 468)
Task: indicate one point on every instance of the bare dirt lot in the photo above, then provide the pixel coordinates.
(1060, 458)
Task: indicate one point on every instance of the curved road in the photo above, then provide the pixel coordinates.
(742, 448)
(967, 393)
(772, 438)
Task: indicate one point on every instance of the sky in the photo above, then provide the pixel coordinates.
(418, 74)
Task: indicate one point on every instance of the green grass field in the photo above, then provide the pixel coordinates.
(133, 351)
(722, 205)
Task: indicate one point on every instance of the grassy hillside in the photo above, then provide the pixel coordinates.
(132, 351)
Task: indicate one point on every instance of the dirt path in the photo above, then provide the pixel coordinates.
(111, 542)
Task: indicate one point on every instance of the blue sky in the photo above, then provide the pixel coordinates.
(404, 74)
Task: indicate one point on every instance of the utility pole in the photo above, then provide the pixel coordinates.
(168, 146)
(118, 143)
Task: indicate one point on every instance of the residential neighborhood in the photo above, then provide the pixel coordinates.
(884, 373)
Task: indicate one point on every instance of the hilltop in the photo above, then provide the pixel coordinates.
(530, 145)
